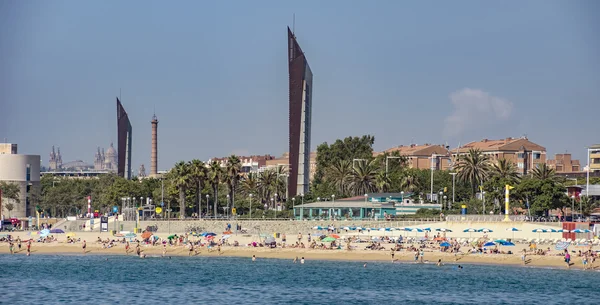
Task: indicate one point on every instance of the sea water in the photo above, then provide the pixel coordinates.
(95, 279)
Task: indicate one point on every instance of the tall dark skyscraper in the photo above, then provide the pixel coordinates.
(123, 142)
(299, 118)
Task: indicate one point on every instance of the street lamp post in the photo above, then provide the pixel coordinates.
(440, 199)
(402, 196)
(453, 178)
(250, 206)
(572, 207)
(207, 208)
(446, 201)
(294, 206)
(366, 204)
(333, 205)
(273, 204)
(580, 209)
(227, 206)
(483, 197)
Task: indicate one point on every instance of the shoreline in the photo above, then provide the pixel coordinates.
(514, 260)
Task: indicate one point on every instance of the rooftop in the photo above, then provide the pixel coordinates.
(418, 150)
(508, 144)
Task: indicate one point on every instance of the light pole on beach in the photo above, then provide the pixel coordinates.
(333, 205)
(572, 207)
(207, 208)
(453, 178)
(227, 206)
(366, 205)
(294, 207)
(250, 206)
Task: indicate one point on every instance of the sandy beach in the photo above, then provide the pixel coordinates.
(358, 254)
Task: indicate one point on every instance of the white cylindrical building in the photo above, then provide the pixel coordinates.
(23, 170)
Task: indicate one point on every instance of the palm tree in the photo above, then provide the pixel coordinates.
(232, 177)
(198, 175)
(506, 170)
(215, 176)
(410, 184)
(473, 168)
(543, 172)
(249, 185)
(382, 182)
(181, 176)
(340, 173)
(363, 178)
(266, 184)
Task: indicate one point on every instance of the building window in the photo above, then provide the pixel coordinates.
(521, 155)
(28, 172)
(537, 156)
(520, 165)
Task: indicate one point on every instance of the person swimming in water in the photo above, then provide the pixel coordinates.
(253, 258)
(302, 260)
(439, 263)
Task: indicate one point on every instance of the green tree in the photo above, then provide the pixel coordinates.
(543, 172)
(363, 178)
(215, 177)
(382, 182)
(181, 179)
(10, 192)
(506, 170)
(198, 175)
(232, 177)
(340, 173)
(474, 168)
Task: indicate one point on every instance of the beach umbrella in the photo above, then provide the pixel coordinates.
(57, 231)
(489, 244)
(210, 234)
(328, 239)
(540, 230)
(359, 228)
(130, 235)
(334, 236)
(581, 231)
(225, 237)
(427, 229)
(346, 228)
(44, 232)
(549, 231)
(270, 240)
(513, 230)
(209, 237)
(563, 231)
(470, 230)
(485, 230)
(146, 234)
(445, 244)
(443, 230)
(71, 234)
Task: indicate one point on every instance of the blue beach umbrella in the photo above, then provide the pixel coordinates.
(513, 230)
(581, 231)
(470, 230)
(443, 230)
(485, 230)
(563, 231)
(445, 244)
(44, 233)
(489, 244)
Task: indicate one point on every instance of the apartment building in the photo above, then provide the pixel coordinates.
(525, 154)
(563, 163)
(420, 156)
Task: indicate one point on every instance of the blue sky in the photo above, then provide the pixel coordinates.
(216, 73)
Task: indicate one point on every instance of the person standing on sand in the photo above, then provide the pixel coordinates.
(164, 250)
(422, 255)
(416, 256)
(295, 259)
(584, 261)
(300, 236)
(568, 258)
(392, 252)
(19, 243)
(29, 248)
(524, 256)
(127, 248)
(84, 245)
(11, 247)
(191, 248)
